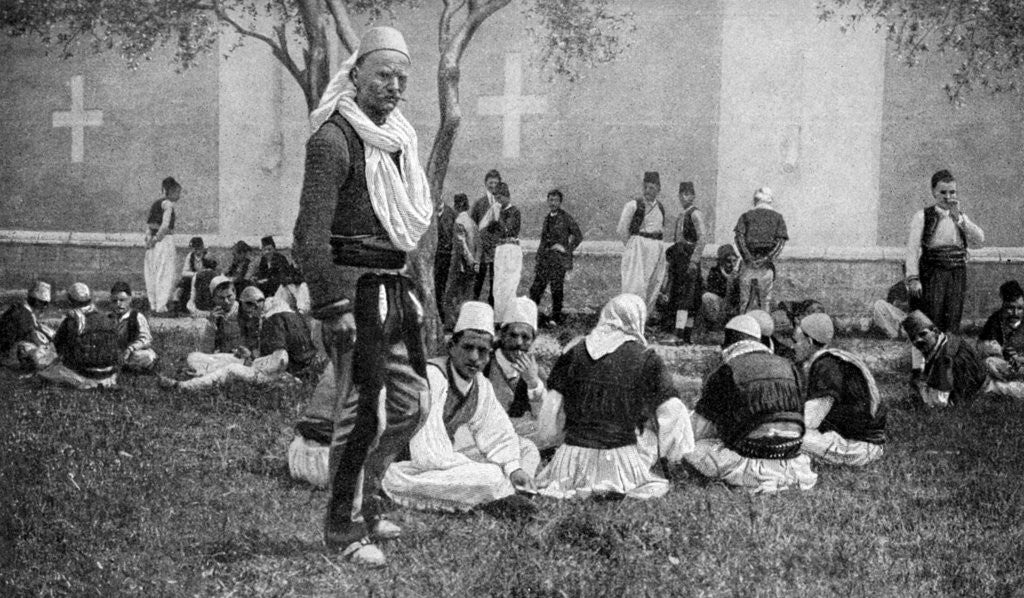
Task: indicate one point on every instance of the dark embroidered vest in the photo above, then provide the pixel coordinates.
(942, 257)
(638, 216)
(760, 388)
(852, 419)
(129, 329)
(156, 216)
(357, 236)
(689, 229)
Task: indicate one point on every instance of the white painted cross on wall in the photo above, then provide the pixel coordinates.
(77, 119)
(512, 105)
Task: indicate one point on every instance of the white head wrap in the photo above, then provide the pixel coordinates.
(622, 320)
(402, 204)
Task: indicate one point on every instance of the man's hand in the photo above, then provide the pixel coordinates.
(914, 288)
(954, 211)
(342, 330)
(521, 479)
(124, 356)
(559, 248)
(243, 353)
(526, 365)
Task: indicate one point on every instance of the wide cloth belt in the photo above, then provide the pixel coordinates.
(366, 251)
(655, 236)
(946, 257)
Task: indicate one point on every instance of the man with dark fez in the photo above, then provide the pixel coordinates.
(365, 204)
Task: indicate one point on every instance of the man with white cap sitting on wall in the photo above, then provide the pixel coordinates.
(467, 453)
(843, 414)
(749, 421)
(88, 344)
(514, 373)
(25, 342)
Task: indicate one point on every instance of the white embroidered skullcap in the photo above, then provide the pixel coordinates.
(475, 315)
(79, 292)
(522, 310)
(745, 324)
(217, 281)
(764, 321)
(40, 290)
(819, 327)
(382, 38)
(251, 293)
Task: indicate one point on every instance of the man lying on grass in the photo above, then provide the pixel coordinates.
(749, 421)
(844, 414)
(286, 353)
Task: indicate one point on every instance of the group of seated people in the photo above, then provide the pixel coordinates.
(267, 269)
(611, 418)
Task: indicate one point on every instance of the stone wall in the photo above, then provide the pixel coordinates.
(847, 282)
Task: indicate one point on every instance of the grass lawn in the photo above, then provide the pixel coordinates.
(141, 492)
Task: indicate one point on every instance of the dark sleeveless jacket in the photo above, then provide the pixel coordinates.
(156, 216)
(357, 236)
(947, 256)
(607, 401)
(850, 415)
(750, 390)
(128, 331)
(640, 213)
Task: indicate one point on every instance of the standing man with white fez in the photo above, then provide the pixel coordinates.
(642, 227)
(936, 258)
(685, 284)
(365, 203)
(760, 236)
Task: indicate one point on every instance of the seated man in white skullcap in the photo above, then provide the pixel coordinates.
(621, 412)
(749, 420)
(844, 415)
(467, 453)
(517, 380)
(25, 342)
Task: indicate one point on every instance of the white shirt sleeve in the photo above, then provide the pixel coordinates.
(491, 428)
(913, 254)
(627, 215)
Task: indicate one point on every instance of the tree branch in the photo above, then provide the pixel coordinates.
(343, 25)
(284, 55)
(223, 15)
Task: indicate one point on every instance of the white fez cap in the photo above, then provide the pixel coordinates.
(475, 315)
(251, 293)
(40, 290)
(522, 310)
(217, 281)
(745, 324)
(819, 327)
(763, 195)
(382, 38)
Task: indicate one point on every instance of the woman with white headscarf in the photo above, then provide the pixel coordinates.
(620, 408)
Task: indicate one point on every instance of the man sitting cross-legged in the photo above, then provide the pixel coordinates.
(88, 345)
(233, 327)
(1001, 343)
(286, 352)
(844, 415)
(750, 417)
(467, 453)
(620, 409)
(514, 373)
(136, 341)
(953, 371)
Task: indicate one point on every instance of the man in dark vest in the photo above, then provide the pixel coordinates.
(443, 254)
(844, 413)
(684, 278)
(362, 162)
(1001, 343)
(749, 421)
(953, 370)
(488, 239)
(936, 262)
(760, 236)
(136, 340)
(559, 237)
(161, 257)
(26, 343)
(642, 227)
(88, 344)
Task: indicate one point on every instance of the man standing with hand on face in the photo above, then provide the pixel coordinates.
(365, 203)
(936, 258)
